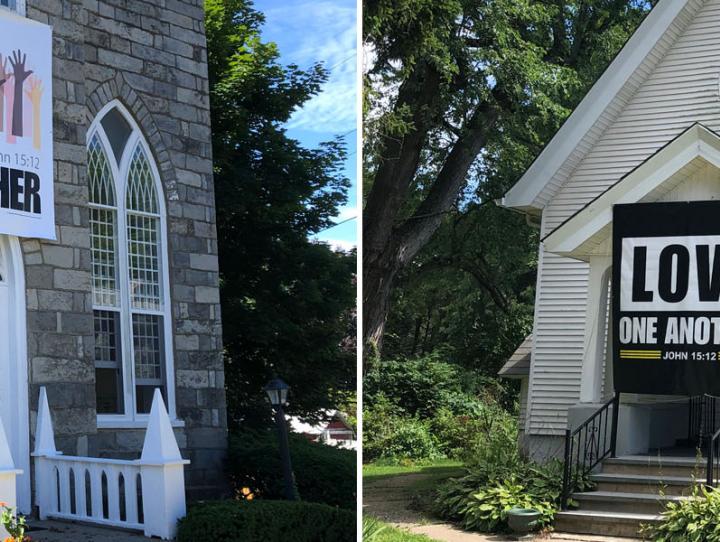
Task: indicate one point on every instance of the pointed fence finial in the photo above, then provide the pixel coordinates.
(44, 433)
(160, 443)
(162, 469)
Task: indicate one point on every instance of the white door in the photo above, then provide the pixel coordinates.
(13, 363)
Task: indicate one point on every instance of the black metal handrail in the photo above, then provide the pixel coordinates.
(713, 460)
(588, 445)
(703, 418)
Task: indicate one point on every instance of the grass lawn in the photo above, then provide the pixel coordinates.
(438, 470)
(420, 489)
(391, 534)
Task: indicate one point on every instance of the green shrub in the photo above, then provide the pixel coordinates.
(379, 421)
(410, 440)
(417, 387)
(692, 520)
(269, 521)
(485, 509)
(324, 474)
(463, 414)
(480, 500)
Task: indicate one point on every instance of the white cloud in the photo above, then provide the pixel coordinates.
(325, 31)
(346, 213)
(338, 244)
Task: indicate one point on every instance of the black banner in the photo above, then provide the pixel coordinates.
(666, 298)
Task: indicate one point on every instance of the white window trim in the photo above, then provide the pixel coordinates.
(130, 419)
(20, 7)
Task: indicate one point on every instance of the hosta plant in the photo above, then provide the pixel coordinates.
(695, 519)
(486, 509)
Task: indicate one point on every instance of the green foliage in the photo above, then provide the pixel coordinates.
(469, 293)
(287, 301)
(409, 439)
(499, 480)
(692, 520)
(485, 509)
(495, 76)
(424, 408)
(481, 438)
(323, 474)
(372, 528)
(480, 500)
(418, 387)
(269, 521)
(377, 531)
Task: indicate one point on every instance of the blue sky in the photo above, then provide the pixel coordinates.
(308, 31)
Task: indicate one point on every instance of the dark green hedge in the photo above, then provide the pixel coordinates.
(267, 521)
(324, 474)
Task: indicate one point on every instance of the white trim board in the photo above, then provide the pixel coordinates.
(591, 227)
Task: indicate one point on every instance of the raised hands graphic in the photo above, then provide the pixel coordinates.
(4, 73)
(5, 76)
(20, 73)
(34, 94)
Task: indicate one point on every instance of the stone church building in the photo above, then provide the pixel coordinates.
(125, 299)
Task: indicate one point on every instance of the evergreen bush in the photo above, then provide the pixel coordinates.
(267, 521)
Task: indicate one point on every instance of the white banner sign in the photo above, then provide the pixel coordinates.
(678, 273)
(26, 134)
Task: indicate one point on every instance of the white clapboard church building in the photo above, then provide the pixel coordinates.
(619, 376)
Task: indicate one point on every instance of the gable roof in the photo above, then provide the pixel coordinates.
(589, 231)
(518, 365)
(600, 105)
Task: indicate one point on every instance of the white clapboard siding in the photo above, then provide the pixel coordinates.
(675, 87)
(523, 402)
(618, 103)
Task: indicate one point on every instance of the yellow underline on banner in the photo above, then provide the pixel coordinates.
(640, 354)
(630, 356)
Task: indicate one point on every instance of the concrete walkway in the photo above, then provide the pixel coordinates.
(392, 500)
(56, 531)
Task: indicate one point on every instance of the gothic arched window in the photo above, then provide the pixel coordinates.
(133, 333)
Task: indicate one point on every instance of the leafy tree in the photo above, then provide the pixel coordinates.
(460, 96)
(287, 301)
(469, 293)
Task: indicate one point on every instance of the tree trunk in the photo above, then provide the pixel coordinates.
(388, 247)
(378, 278)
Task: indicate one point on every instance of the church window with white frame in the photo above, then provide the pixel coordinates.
(15, 5)
(130, 283)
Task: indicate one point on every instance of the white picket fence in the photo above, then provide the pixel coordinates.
(146, 494)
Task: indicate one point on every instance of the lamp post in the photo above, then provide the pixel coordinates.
(277, 392)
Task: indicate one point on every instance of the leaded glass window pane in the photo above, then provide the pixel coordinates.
(141, 194)
(147, 339)
(103, 243)
(117, 131)
(108, 362)
(102, 190)
(144, 261)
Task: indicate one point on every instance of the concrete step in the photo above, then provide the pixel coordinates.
(642, 483)
(610, 501)
(602, 523)
(655, 466)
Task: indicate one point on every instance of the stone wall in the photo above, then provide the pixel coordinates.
(151, 56)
